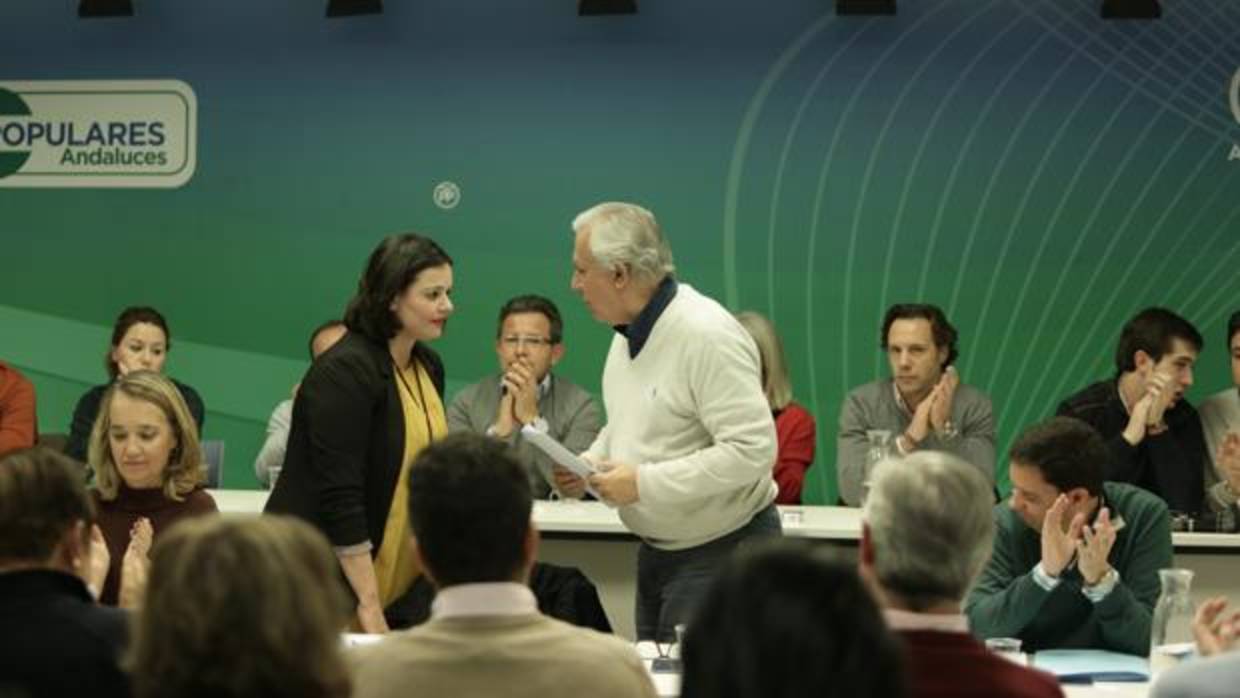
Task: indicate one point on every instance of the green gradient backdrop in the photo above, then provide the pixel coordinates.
(1039, 172)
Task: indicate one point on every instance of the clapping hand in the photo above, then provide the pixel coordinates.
(1059, 542)
(100, 559)
(136, 564)
(1228, 458)
(941, 399)
(1161, 391)
(1215, 631)
(1094, 547)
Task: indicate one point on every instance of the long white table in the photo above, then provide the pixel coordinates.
(589, 535)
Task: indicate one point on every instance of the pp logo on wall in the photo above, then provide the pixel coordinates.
(97, 133)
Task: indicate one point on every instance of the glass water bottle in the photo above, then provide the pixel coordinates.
(1171, 633)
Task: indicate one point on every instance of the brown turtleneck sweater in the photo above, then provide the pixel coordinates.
(117, 517)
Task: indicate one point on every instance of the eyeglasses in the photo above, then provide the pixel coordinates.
(532, 342)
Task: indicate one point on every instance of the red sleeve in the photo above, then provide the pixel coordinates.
(17, 413)
(794, 428)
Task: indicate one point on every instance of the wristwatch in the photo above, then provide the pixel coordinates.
(1105, 585)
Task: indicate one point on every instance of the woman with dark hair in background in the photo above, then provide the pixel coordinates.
(794, 426)
(240, 607)
(785, 620)
(364, 411)
(140, 341)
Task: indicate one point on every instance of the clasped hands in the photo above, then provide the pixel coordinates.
(935, 411)
(519, 404)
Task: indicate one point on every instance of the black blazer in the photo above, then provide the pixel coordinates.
(347, 440)
(56, 640)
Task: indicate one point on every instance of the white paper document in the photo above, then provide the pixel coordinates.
(556, 452)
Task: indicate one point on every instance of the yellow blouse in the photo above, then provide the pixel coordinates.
(396, 566)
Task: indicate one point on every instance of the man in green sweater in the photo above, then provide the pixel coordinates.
(1076, 560)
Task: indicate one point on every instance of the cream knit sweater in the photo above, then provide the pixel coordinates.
(689, 412)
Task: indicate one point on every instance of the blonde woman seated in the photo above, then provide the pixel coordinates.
(240, 607)
(794, 426)
(148, 474)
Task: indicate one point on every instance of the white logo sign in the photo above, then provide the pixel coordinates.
(97, 133)
(447, 195)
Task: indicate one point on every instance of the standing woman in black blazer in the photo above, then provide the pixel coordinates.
(365, 409)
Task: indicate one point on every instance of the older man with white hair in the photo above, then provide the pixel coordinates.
(689, 445)
(926, 533)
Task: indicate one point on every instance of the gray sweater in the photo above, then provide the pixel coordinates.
(572, 418)
(874, 406)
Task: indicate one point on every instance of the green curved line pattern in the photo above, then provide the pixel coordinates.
(1026, 197)
(1054, 365)
(1117, 172)
(741, 148)
(868, 174)
(821, 189)
(1108, 66)
(785, 149)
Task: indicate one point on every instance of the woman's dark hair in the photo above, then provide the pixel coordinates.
(129, 317)
(394, 264)
(785, 620)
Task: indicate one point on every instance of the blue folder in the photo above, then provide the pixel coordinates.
(1087, 666)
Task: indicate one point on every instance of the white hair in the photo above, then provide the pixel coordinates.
(627, 235)
(931, 521)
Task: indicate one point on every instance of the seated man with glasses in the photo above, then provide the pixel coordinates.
(529, 342)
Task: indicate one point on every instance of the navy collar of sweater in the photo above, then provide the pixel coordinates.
(638, 331)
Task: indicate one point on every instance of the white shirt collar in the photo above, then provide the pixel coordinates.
(484, 599)
(899, 620)
(900, 398)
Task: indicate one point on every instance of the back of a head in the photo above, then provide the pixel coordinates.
(627, 235)
(469, 509)
(775, 382)
(1233, 326)
(930, 518)
(1152, 331)
(784, 620)
(42, 495)
(1068, 452)
(241, 607)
